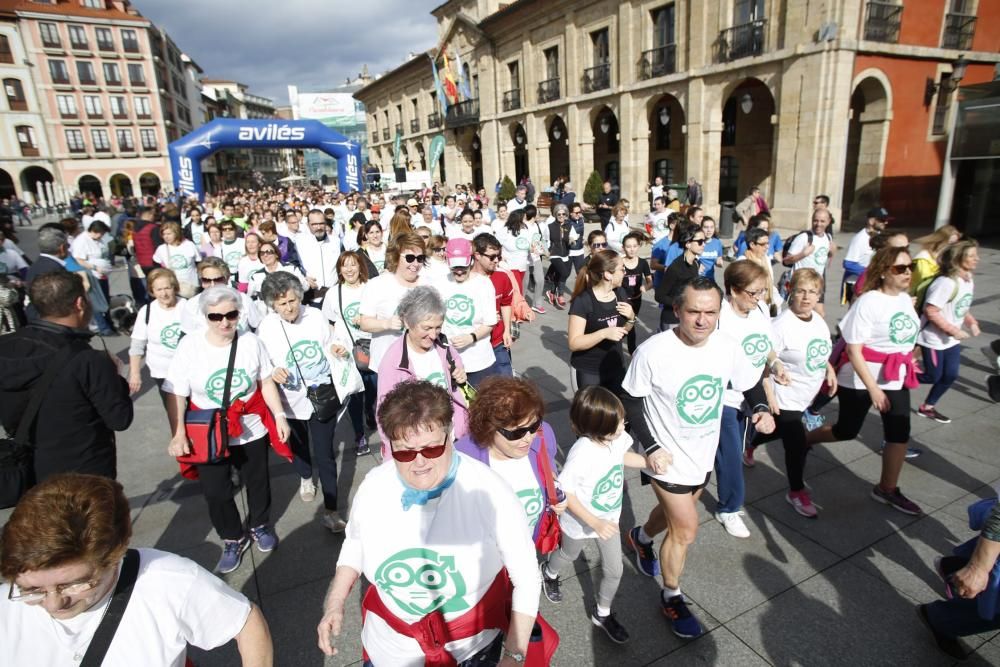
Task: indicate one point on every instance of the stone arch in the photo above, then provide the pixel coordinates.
(558, 135)
(867, 137)
(747, 138)
(607, 143)
(667, 140)
(90, 183)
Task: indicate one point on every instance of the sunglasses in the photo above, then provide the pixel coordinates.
(492, 258)
(900, 269)
(407, 455)
(561, 215)
(460, 269)
(411, 258)
(437, 250)
(232, 316)
(698, 241)
(213, 281)
(518, 433)
(598, 245)
(267, 252)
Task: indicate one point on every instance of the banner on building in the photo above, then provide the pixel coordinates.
(332, 109)
(436, 151)
(397, 150)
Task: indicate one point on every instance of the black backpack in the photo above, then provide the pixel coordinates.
(788, 244)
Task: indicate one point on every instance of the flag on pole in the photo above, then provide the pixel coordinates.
(442, 100)
(463, 81)
(450, 86)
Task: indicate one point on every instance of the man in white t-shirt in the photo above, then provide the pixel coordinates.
(673, 396)
(859, 250)
(470, 311)
(812, 250)
(659, 219)
(49, 614)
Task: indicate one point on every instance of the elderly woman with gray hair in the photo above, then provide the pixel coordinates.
(253, 418)
(560, 267)
(301, 347)
(422, 353)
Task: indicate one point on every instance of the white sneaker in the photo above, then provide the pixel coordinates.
(334, 523)
(733, 523)
(307, 490)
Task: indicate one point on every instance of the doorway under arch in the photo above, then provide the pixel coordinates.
(747, 141)
(607, 145)
(520, 139)
(7, 189)
(121, 185)
(30, 179)
(667, 142)
(90, 185)
(867, 133)
(558, 150)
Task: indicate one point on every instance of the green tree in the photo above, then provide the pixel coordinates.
(592, 191)
(507, 190)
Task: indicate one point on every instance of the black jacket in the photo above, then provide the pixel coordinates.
(87, 402)
(42, 265)
(678, 274)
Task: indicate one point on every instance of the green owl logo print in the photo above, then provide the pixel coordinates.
(216, 384)
(459, 310)
(903, 329)
(817, 353)
(233, 258)
(962, 305)
(350, 312)
(607, 495)
(699, 399)
(308, 356)
(756, 346)
(531, 500)
(170, 335)
(820, 256)
(522, 243)
(178, 262)
(437, 379)
(421, 580)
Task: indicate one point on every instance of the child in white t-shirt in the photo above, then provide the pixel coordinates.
(593, 479)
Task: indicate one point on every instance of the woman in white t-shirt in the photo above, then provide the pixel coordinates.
(301, 347)
(372, 246)
(618, 228)
(515, 241)
(802, 342)
(157, 332)
(180, 256)
(946, 309)
(197, 379)
(880, 331)
(270, 254)
(250, 263)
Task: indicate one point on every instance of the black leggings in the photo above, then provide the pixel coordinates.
(854, 406)
(610, 381)
(556, 276)
(789, 427)
(217, 487)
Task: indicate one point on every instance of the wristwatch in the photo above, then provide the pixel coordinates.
(519, 658)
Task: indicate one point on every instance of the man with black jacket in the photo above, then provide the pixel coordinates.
(681, 271)
(88, 399)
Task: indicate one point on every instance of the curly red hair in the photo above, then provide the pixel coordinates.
(503, 402)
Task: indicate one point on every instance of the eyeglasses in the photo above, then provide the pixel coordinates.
(561, 215)
(801, 291)
(598, 245)
(411, 258)
(756, 294)
(698, 241)
(76, 588)
(267, 252)
(218, 280)
(900, 269)
(437, 250)
(407, 455)
(492, 258)
(518, 433)
(459, 269)
(232, 316)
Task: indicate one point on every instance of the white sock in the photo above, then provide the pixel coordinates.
(643, 537)
(548, 572)
(603, 611)
(668, 593)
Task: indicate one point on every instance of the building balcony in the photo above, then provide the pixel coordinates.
(597, 78)
(414, 125)
(548, 90)
(51, 44)
(433, 120)
(882, 21)
(958, 31)
(29, 151)
(385, 134)
(18, 105)
(658, 62)
(512, 99)
(743, 41)
(462, 114)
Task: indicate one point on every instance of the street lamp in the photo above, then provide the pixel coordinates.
(556, 133)
(664, 116)
(519, 136)
(475, 143)
(746, 102)
(605, 125)
(948, 85)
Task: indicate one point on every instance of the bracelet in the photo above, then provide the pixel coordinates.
(475, 338)
(631, 321)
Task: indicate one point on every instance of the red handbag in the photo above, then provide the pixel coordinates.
(549, 531)
(208, 430)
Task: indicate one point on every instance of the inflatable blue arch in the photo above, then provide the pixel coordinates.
(187, 152)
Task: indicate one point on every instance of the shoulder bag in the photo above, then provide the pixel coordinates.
(361, 348)
(208, 430)
(17, 455)
(468, 391)
(326, 404)
(112, 618)
(549, 530)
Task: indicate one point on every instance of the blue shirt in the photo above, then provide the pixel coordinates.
(774, 245)
(664, 252)
(713, 250)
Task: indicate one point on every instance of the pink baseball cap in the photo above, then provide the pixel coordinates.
(459, 252)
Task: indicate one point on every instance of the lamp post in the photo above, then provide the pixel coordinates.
(664, 116)
(746, 102)
(946, 86)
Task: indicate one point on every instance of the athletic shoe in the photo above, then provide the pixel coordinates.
(802, 503)
(812, 421)
(645, 555)
(611, 626)
(232, 555)
(560, 301)
(550, 585)
(307, 490)
(993, 387)
(733, 523)
(896, 500)
(361, 447)
(333, 522)
(992, 353)
(995, 346)
(948, 645)
(911, 452)
(538, 308)
(264, 537)
(550, 296)
(932, 413)
(748, 457)
(682, 622)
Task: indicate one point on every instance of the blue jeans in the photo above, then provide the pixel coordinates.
(503, 365)
(363, 403)
(476, 377)
(729, 461)
(940, 370)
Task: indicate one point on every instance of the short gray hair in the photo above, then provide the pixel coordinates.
(560, 208)
(50, 240)
(213, 296)
(277, 285)
(420, 303)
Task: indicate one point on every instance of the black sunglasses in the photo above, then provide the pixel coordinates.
(518, 433)
(407, 455)
(598, 245)
(213, 281)
(232, 316)
(411, 258)
(492, 258)
(698, 241)
(900, 269)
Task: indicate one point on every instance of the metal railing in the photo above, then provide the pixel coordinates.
(548, 90)
(512, 99)
(882, 21)
(463, 113)
(742, 41)
(597, 78)
(414, 125)
(958, 31)
(658, 62)
(433, 120)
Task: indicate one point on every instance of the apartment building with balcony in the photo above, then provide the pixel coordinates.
(178, 81)
(849, 98)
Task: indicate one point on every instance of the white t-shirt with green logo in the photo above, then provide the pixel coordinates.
(162, 336)
(231, 254)
(682, 387)
(182, 259)
(351, 309)
(248, 268)
(440, 556)
(521, 477)
(595, 474)
(380, 299)
(516, 247)
(428, 366)
(198, 370)
(954, 297)
(755, 338)
(310, 337)
(885, 324)
(804, 349)
(817, 260)
(467, 306)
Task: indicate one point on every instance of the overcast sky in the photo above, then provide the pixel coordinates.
(313, 44)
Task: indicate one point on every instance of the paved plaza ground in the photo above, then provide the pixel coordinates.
(839, 590)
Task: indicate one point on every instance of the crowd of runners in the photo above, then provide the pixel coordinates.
(289, 309)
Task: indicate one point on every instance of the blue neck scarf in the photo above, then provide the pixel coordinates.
(413, 496)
